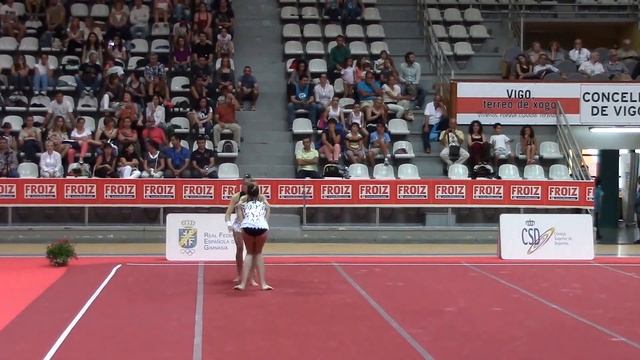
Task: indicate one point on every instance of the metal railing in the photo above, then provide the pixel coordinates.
(437, 58)
(516, 22)
(569, 146)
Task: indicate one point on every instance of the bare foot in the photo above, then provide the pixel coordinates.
(239, 287)
(266, 287)
(254, 283)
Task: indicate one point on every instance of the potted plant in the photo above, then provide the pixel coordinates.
(60, 252)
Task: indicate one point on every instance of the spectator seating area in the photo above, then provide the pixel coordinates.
(135, 60)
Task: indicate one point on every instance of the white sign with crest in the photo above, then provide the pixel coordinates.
(199, 237)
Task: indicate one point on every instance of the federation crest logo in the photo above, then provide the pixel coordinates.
(187, 237)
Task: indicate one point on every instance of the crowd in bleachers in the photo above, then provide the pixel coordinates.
(159, 78)
(620, 63)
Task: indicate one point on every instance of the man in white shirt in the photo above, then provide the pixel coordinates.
(395, 101)
(60, 107)
(544, 67)
(139, 18)
(500, 143)
(579, 54)
(323, 93)
(593, 66)
(434, 112)
(452, 140)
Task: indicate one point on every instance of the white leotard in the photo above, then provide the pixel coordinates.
(254, 215)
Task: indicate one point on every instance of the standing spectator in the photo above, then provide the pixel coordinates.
(50, 162)
(349, 78)
(203, 48)
(535, 51)
(379, 143)
(579, 54)
(355, 145)
(11, 25)
(178, 159)
(60, 107)
(42, 73)
(301, 67)
(118, 23)
(129, 163)
(307, 161)
(248, 87)
(395, 101)
(154, 73)
(300, 98)
(556, 53)
(368, 90)
(593, 66)
(224, 43)
(337, 57)
(202, 117)
(225, 118)
(352, 10)
(203, 162)
(155, 111)
(543, 67)
(452, 140)
(500, 143)
(153, 133)
(181, 56)
(153, 162)
(528, 144)
(8, 160)
(203, 21)
(20, 74)
(139, 18)
(410, 72)
(30, 140)
(331, 140)
(90, 77)
(323, 93)
(615, 68)
(105, 166)
(224, 16)
(479, 148)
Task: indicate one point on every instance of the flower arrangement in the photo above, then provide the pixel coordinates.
(60, 252)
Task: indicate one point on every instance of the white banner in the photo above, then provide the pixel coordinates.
(199, 237)
(607, 104)
(546, 237)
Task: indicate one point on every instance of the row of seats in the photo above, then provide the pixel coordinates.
(511, 172)
(31, 44)
(331, 31)
(315, 48)
(311, 13)
(320, 2)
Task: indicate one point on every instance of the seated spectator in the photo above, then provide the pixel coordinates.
(203, 70)
(384, 66)
(33, 7)
(60, 137)
(331, 140)
(358, 117)
(112, 93)
(379, 143)
(129, 109)
(352, 10)
(410, 72)
(203, 162)
(89, 79)
(50, 162)
(452, 140)
(300, 98)
(203, 20)
(368, 90)
(225, 118)
(79, 170)
(225, 76)
(224, 16)
(60, 107)
(556, 53)
(543, 67)
(615, 68)
(178, 159)
(523, 67)
(334, 110)
(162, 9)
(363, 66)
(105, 166)
(181, 56)
(135, 86)
(307, 161)
(91, 27)
(300, 67)
(118, 22)
(108, 132)
(139, 19)
(376, 114)
(338, 57)
(7, 134)
(479, 148)
(82, 139)
(248, 89)
(593, 66)
(19, 74)
(355, 145)
(579, 54)
(117, 50)
(528, 144)
(56, 19)
(349, 78)
(199, 90)
(201, 117)
(224, 44)
(629, 57)
(500, 143)
(332, 10)
(42, 75)
(323, 93)
(129, 163)
(154, 73)
(182, 10)
(395, 101)
(153, 162)
(535, 51)
(8, 160)
(30, 140)
(93, 44)
(127, 135)
(154, 133)
(202, 48)
(181, 29)
(11, 25)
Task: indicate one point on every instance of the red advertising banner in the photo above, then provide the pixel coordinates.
(297, 193)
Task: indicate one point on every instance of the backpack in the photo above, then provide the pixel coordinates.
(227, 146)
(481, 171)
(331, 171)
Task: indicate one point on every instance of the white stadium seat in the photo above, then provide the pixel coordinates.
(182, 123)
(408, 172)
(382, 171)
(479, 32)
(180, 84)
(407, 146)
(289, 13)
(312, 31)
(458, 171)
(28, 170)
(434, 15)
(291, 31)
(463, 49)
(354, 31)
(293, 48)
(398, 127)
(8, 43)
(139, 46)
(452, 16)
(100, 11)
(550, 150)
(39, 103)
(79, 10)
(310, 13)
(358, 171)
(440, 32)
(358, 48)
(559, 172)
(446, 48)
(378, 46)
(30, 44)
(315, 48)
(160, 46)
(6, 62)
(302, 126)
(473, 15)
(509, 172)
(87, 104)
(331, 31)
(371, 14)
(534, 172)
(15, 121)
(228, 171)
(375, 31)
(317, 66)
(458, 32)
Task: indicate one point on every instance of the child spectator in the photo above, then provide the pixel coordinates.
(500, 144)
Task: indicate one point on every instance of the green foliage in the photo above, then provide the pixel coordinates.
(60, 252)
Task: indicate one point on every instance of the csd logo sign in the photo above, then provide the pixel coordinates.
(412, 192)
(450, 192)
(159, 191)
(80, 191)
(380, 192)
(291, 192)
(526, 192)
(332, 192)
(563, 193)
(119, 191)
(488, 192)
(40, 191)
(8, 191)
(197, 192)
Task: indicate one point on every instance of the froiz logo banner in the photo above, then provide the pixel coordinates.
(534, 237)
